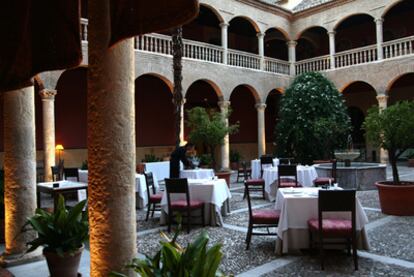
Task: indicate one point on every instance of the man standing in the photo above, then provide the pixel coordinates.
(179, 154)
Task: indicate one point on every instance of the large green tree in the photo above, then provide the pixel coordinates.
(392, 129)
(313, 119)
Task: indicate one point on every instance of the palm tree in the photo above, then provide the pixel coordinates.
(177, 47)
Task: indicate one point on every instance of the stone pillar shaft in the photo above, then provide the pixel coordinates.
(260, 39)
(19, 167)
(382, 104)
(225, 147)
(48, 107)
(261, 135)
(111, 147)
(182, 138)
(332, 50)
(224, 40)
(292, 56)
(379, 31)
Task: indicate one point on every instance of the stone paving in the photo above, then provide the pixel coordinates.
(391, 242)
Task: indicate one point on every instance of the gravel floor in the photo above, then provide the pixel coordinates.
(369, 198)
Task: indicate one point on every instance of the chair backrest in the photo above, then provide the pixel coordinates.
(71, 172)
(249, 204)
(55, 173)
(334, 166)
(288, 170)
(149, 180)
(264, 161)
(244, 166)
(286, 160)
(336, 201)
(176, 185)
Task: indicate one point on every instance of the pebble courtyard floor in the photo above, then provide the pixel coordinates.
(391, 244)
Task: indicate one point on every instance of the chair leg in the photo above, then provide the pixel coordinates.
(310, 240)
(348, 246)
(153, 210)
(321, 251)
(169, 221)
(249, 236)
(355, 254)
(245, 193)
(148, 211)
(263, 191)
(202, 216)
(188, 220)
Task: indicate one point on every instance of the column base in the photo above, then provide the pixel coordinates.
(8, 260)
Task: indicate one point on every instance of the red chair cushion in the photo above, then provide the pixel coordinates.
(155, 198)
(182, 204)
(332, 227)
(255, 182)
(320, 181)
(288, 183)
(265, 216)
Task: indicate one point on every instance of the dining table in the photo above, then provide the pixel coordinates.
(306, 175)
(197, 173)
(255, 165)
(297, 206)
(57, 188)
(214, 193)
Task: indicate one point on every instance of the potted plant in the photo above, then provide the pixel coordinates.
(209, 128)
(392, 130)
(410, 157)
(235, 158)
(62, 234)
(195, 260)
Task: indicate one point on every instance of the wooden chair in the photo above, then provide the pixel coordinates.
(154, 198)
(55, 173)
(335, 201)
(186, 206)
(287, 176)
(321, 181)
(71, 172)
(260, 219)
(253, 185)
(241, 171)
(265, 161)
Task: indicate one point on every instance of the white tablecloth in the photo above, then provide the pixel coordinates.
(256, 170)
(140, 187)
(201, 173)
(213, 193)
(306, 175)
(297, 206)
(159, 169)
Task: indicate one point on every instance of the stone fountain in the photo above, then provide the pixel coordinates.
(349, 154)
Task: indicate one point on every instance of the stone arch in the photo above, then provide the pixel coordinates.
(167, 81)
(242, 34)
(342, 20)
(398, 20)
(251, 21)
(401, 88)
(252, 90)
(272, 113)
(352, 95)
(275, 44)
(153, 93)
(281, 30)
(214, 10)
(213, 85)
(308, 28)
(312, 42)
(390, 6)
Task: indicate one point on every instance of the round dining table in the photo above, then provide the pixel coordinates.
(256, 169)
(199, 173)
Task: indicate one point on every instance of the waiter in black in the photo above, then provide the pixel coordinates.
(179, 154)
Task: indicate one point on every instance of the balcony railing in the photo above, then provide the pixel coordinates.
(398, 47)
(162, 44)
(315, 64)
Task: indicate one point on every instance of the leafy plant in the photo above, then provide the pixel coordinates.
(205, 160)
(313, 120)
(392, 130)
(209, 128)
(84, 165)
(150, 158)
(196, 260)
(235, 156)
(62, 231)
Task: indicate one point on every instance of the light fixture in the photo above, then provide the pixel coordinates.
(59, 148)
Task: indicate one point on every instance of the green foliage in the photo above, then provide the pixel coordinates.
(63, 231)
(196, 260)
(206, 160)
(313, 119)
(208, 128)
(235, 156)
(84, 165)
(391, 129)
(150, 158)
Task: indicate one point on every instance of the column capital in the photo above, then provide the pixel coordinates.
(223, 104)
(47, 94)
(224, 25)
(379, 21)
(260, 35)
(260, 106)
(292, 43)
(382, 98)
(331, 33)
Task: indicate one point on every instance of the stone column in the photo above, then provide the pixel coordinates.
(332, 51)
(261, 135)
(48, 107)
(292, 56)
(182, 122)
(382, 104)
(260, 39)
(224, 40)
(378, 24)
(20, 171)
(225, 147)
(111, 146)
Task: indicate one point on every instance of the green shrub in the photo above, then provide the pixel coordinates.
(84, 165)
(235, 156)
(206, 160)
(63, 231)
(150, 158)
(313, 120)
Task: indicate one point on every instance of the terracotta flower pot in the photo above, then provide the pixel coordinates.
(66, 266)
(224, 175)
(396, 199)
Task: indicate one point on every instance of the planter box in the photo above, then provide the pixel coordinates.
(396, 199)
